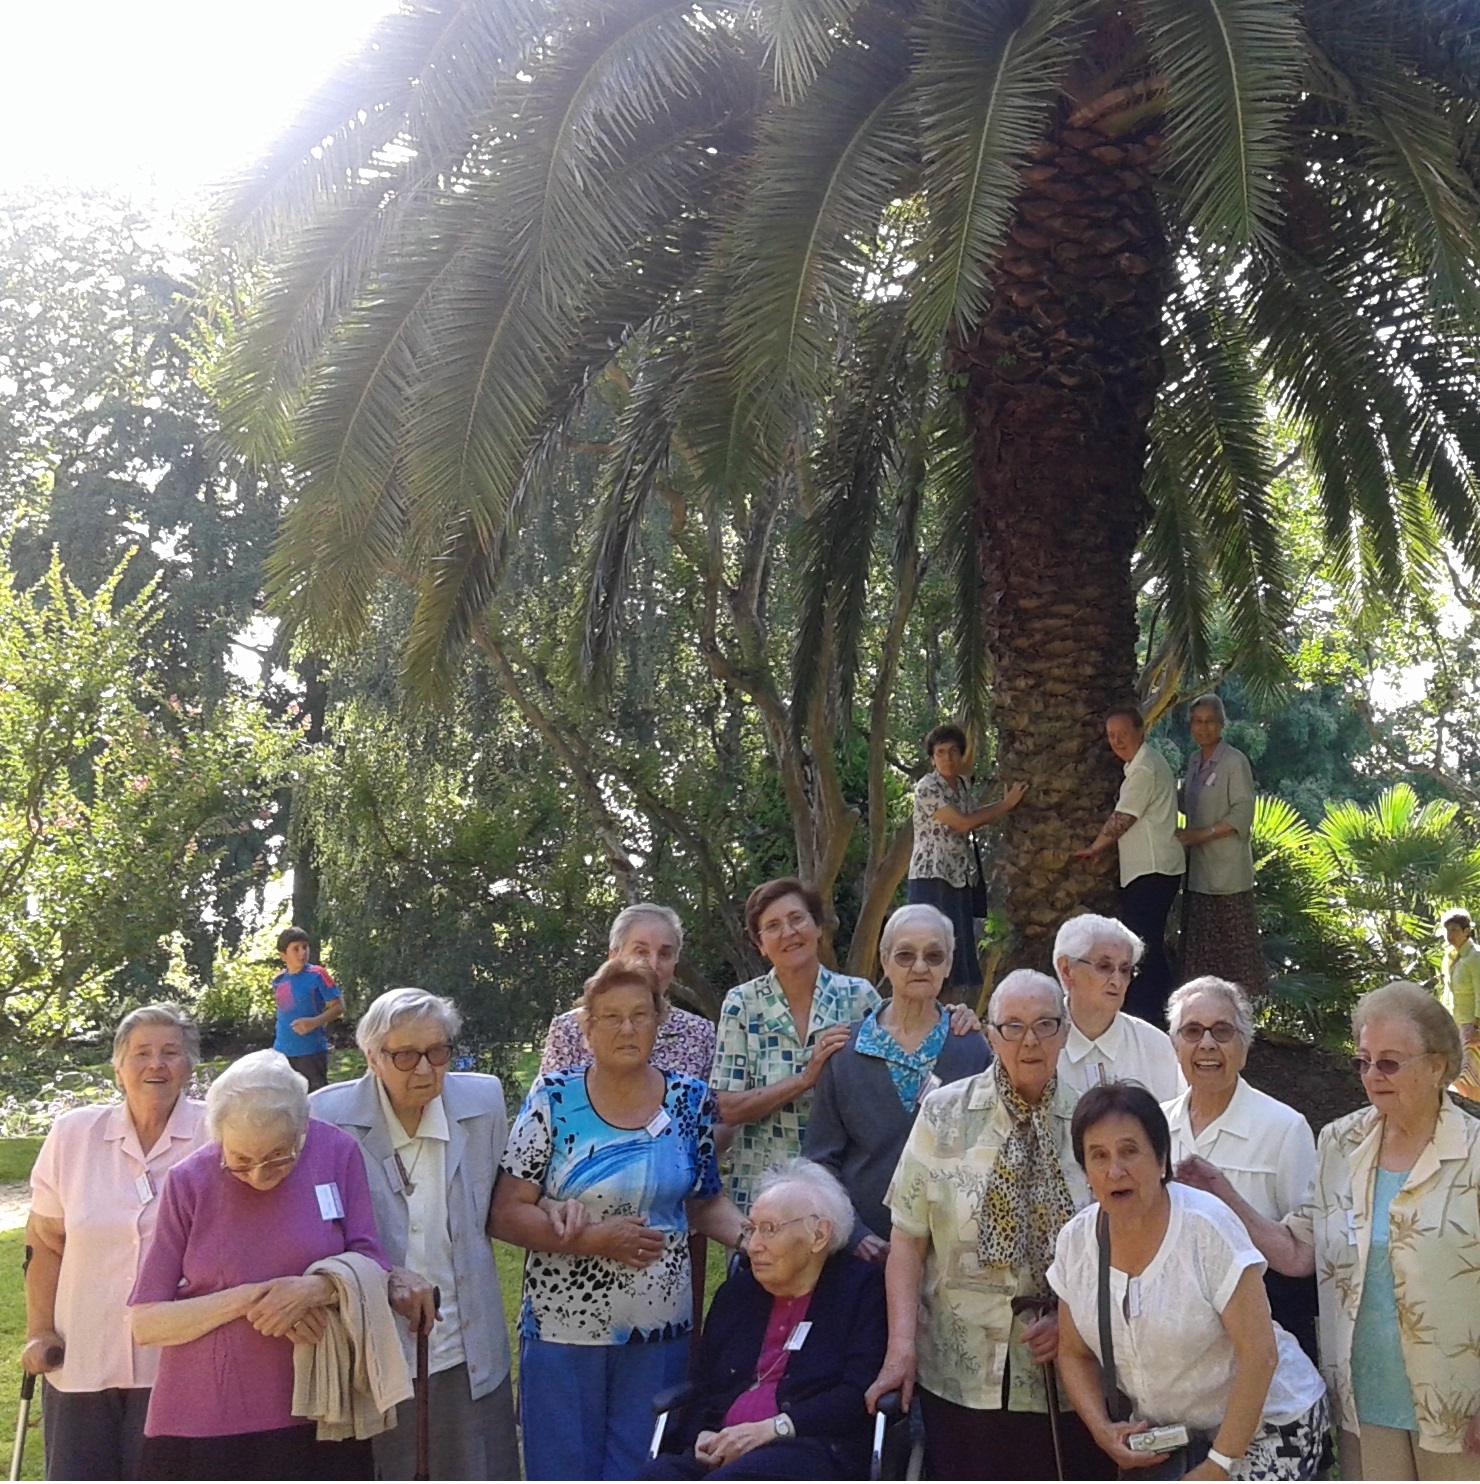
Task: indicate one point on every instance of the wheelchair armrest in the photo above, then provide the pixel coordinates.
(673, 1397)
(888, 1405)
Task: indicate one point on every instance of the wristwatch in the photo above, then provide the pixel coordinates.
(1223, 1461)
(785, 1427)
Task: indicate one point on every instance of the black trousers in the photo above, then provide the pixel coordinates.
(279, 1453)
(94, 1434)
(1144, 904)
(974, 1443)
(314, 1066)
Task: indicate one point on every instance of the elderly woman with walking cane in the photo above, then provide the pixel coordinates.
(986, 1180)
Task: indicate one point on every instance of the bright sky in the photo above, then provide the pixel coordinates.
(162, 97)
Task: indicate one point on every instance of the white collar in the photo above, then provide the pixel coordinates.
(1110, 1043)
(1238, 1119)
(433, 1123)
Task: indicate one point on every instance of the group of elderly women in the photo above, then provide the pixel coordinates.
(1054, 1236)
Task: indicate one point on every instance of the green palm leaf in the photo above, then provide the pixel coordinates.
(1232, 71)
(984, 84)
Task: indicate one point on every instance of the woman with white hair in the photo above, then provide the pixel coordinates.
(1264, 1147)
(869, 1093)
(794, 1337)
(94, 1204)
(653, 935)
(1220, 931)
(431, 1141)
(223, 1289)
(1097, 958)
(986, 1180)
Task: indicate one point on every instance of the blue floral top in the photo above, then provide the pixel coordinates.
(561, 1143)
(908, 1070)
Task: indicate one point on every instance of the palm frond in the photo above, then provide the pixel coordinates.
(1233, 70)
(800, 37)
(984, 84)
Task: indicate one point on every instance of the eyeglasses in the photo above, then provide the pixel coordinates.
(263, 1166)
(1384, 1066)
(1108, 970)
(907, 958)
(793, 922)
(641, 1020)
(1221, 1031)
(768, 1229)
(1046, 1027)
(408, 1058)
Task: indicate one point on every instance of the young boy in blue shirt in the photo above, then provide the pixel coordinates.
(307, 1001)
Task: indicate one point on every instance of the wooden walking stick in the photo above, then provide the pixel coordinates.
(423, 1397)
(1041, 1305)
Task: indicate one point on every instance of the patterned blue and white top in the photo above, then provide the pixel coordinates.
(909, 1071)
(562, 1144)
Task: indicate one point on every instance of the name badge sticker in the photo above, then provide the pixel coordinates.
(331, 1204)
(798, 1337)
(1211, 778)
(657, 1123)
(145, 1187)
(929, 1085)
(1133, 1299)
(1351, 1228)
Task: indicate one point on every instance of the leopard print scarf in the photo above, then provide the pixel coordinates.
(1027, 1198)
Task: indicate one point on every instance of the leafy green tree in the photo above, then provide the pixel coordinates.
(114, 798)
(1114, 233)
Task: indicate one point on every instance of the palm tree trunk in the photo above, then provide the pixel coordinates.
(1061, 376)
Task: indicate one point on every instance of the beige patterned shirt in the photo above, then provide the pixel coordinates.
(966, 1326)
(1435, 1250)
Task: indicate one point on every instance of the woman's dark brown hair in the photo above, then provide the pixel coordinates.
(1113, 1099)
(772, 891)
(947, 731)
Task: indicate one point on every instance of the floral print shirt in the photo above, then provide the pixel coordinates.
(1434, 1247)
(685, 1044)
(758, 1045)
(564, 1146)
(967, 1334)
(941, 852)
(908, 1070)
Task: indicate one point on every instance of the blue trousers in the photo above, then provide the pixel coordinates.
(586, 1410)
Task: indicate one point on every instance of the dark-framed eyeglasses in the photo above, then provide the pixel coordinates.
(1222, 1031)
(408, 1058)
(906, 958)
(1045, 1028)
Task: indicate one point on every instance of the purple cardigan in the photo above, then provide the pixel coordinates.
(214, 1232)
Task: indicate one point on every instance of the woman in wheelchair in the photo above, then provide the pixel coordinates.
(790, 1346)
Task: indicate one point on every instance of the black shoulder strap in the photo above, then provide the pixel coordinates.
(1115, 1407)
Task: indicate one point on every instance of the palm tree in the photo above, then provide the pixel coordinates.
(1118, 234)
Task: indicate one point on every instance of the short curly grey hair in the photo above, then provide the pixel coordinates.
(1024, 979)
(822, 1189)
(387, 1011)
(1412, 1002)
(918, 915)
(629, 917)
(1079, 934)
(1210, 702)
(1236, 1000)
(165, 1013)
(260, 1091)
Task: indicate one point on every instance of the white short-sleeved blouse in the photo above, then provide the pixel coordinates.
(1173, 1357)
(1264, 1146)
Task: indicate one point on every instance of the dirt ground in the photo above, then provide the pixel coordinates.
(15, 1201)
(1317, 1081)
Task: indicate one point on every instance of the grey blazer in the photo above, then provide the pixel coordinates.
(478, 1124)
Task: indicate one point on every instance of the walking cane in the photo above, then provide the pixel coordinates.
(1041, 1305)
(54, 1357)
(423, 1398)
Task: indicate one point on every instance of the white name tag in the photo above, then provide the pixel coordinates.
(1211, 778)
(658, 1122)
(331, 1205)
(798, 1337)
(929, 1085)
(145, 1188)
(1351, 1228)
(1133, 1298)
